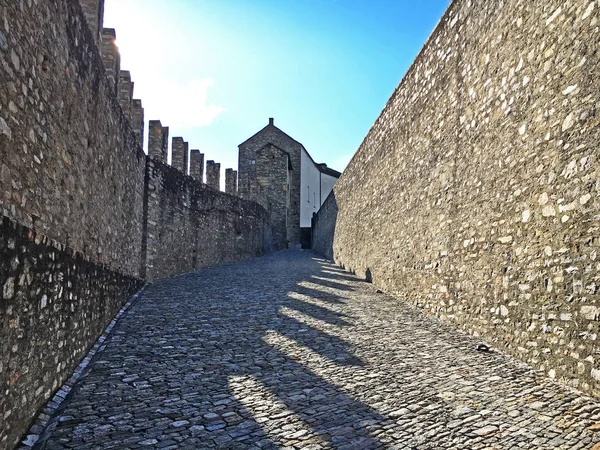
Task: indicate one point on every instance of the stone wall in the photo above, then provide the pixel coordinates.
(323, 227)
(475, 194)
(70, 164)
(190, 225)
(54, 304)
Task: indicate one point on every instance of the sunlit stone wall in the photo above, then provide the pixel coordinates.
(475, 194)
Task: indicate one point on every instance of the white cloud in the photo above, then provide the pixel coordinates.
(184, 105)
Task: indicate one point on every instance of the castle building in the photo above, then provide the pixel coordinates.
(277, 171)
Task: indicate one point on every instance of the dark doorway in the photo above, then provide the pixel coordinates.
(306, 237)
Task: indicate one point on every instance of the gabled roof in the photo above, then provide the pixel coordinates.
(321, 167)
(327, 171)
(275, 128)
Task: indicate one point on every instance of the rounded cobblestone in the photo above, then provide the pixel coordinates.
(289, 351)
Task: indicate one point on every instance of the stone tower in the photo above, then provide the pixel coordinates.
(269, 173)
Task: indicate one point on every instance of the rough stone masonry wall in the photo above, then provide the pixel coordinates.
(54, 304)
(70, 165)
(273, 177)
(476, 193)
(72, 171)
(190, 225)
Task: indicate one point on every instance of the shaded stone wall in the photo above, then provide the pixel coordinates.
(323, 227)
(70, 164)
(94, 14)
(475, 194)
(137, 120)
(73, 172)
(54, 304)
(273, 176)
(190, 225)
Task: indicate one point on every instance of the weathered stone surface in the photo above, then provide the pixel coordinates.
(259, 182)
(307, 356)
(111, 59)
(94, 14)
(125, 94)
(137, 121)
(476, 193)
(274, 180)
(231, 181)
(158, 141)
(53, 304)
(213, 175)
(178, 157)
(197, 165)
(73, 168)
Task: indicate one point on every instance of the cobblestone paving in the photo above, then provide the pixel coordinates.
(288, 351)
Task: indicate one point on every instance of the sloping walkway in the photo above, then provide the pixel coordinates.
(288, 351)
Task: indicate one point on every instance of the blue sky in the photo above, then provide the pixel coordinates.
(214, 71)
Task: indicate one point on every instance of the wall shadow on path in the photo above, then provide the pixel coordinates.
(236, 356)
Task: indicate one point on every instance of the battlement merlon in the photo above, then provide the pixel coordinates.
(177, 153)
(137, 120)
(186, 157)
(125, 93)
(231, 181)
(94, 15)
(158, 141)
(111, 57)
(213, 174)
(197, 165)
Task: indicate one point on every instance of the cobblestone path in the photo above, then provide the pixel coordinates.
(288, 351)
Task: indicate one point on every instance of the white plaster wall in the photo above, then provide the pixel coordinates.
(310, 187)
